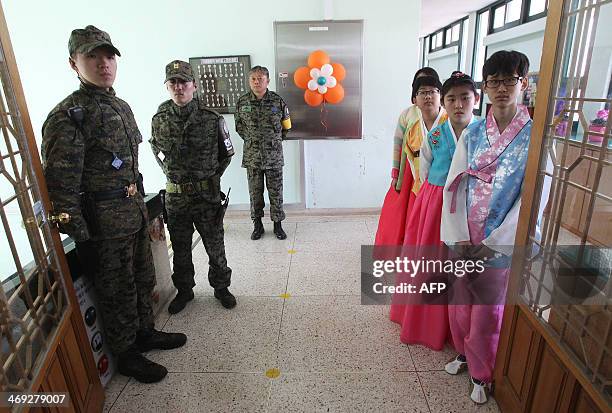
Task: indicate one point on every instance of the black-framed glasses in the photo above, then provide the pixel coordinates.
(425, 93)
(509, 81)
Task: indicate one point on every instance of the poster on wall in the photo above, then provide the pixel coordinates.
(93, 324)
(319, 75)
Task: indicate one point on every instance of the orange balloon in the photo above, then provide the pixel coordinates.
(317, 59)
(339, 71)
(301, 77)
(313, 98)
(335, 94)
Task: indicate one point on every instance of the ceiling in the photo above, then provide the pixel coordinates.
(436, 14)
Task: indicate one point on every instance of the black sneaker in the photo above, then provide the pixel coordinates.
(133, 364)
(278, 231)
(258, 229)
(180, 301)
(152, 339)
(226, 298)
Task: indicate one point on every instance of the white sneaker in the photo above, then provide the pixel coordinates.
(479, 391)
(456, 365)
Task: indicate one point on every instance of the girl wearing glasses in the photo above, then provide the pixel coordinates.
(412, 127)
(428, 324)
(482, 198)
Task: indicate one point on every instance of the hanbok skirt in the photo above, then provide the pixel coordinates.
(425, 324)
(395, 211)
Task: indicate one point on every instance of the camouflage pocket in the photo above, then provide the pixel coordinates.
(107, 142)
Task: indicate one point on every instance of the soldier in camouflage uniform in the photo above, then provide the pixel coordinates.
(191, 144)
(90, 161)
(262, 121)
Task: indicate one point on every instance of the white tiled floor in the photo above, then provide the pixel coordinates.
(333, 354)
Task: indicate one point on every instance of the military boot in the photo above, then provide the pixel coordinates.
(152, 339)
(227, 299)
(258, 229)
(278, 230)
(180, 301)
(133, 364)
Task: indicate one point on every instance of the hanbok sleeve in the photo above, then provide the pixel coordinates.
(426, 159)
(501, 238)
(454, 226)
(398, 138)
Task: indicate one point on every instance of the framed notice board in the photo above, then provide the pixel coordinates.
(221, 80)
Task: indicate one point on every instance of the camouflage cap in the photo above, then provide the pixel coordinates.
(87, 39)
(179, 69)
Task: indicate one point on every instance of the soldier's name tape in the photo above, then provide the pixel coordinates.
(13, 399)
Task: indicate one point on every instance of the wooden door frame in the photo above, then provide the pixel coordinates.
(72, 317)
(528, 215)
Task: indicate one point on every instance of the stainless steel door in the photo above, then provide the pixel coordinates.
(342, 41)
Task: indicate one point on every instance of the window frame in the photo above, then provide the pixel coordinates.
(524, 18)
(446, 42)
(524, 15)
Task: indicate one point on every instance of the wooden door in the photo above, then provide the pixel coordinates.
(43, 343)
(555, 352)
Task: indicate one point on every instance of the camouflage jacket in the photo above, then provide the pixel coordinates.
(100, 153)
(258, 122)
(186, 140)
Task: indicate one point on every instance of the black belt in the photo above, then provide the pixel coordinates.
(125, 192)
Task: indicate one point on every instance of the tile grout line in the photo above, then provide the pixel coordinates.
(286, 286)
(419, 380)
(118, 395)
(280, 324)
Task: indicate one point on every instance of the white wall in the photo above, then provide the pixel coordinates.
(357, 173)
(149, 34)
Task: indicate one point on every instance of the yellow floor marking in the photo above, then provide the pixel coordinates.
(272, 373)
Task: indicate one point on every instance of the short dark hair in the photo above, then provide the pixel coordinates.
(505, 62)
(261, 69)
(425, 81)
(425, 71)
(457, 78)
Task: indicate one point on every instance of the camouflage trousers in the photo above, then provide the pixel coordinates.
(124, 278)
(274, 184)
(186, 211)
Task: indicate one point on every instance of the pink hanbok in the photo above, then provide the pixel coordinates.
(482, 199)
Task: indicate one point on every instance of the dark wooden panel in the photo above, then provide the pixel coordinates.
(520, 350)
(75, 370)
(549, 384)
(56, 382)
(36, 410)
(584, 404)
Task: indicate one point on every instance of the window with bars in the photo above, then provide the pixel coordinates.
(448, 36)
(510, 13)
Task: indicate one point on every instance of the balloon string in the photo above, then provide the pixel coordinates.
(324, 116)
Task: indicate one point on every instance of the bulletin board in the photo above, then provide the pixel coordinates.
(221, 80)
